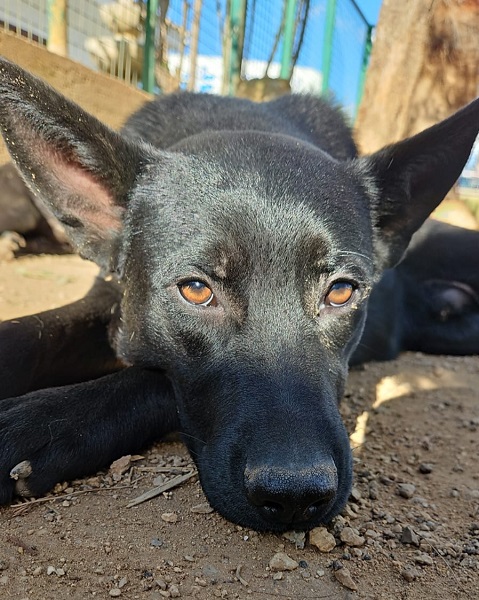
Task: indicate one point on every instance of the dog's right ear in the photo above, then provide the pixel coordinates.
(413, 176)
(82, 170)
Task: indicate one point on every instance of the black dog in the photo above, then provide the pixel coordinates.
(242, 242)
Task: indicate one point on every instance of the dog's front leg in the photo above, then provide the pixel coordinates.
(62, 433)
(61, 346)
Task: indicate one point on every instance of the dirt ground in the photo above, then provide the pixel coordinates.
(414, 511)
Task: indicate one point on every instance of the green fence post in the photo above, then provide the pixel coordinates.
(368, 44)
(237, 20)
(288, 39)
(328, 44)
(148, 75)
(57, 41)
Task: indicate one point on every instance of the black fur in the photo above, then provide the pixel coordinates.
(269, 207)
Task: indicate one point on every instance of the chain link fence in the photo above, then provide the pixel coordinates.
(253, 48)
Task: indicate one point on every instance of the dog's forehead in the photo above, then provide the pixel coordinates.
(275, 200)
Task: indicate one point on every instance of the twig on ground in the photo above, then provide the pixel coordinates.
(238, 575)
(20, 509)
(156, 491)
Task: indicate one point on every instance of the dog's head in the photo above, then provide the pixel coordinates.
(246, 260)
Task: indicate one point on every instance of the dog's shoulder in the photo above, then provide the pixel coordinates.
(168, 119)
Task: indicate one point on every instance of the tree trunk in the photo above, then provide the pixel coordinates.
(424, 66)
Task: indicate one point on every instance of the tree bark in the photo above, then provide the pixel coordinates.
(424, 66)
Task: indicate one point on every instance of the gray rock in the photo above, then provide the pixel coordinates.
(409, 536)
(406, 490)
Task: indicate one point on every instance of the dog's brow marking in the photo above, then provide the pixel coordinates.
(368, 258)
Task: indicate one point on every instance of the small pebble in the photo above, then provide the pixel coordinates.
(355, 494)
(169, 517)
(123, 581)
(282, 562)
(297, 537)
(115, 592)
(351, 538)
(278, 576)
(201, 509)
(322, 539)
(424, 559)
(406, 490)
(120, 466)
(373, 490)
(409, 536)
(344, 577)
(425, 468)
(409, 574)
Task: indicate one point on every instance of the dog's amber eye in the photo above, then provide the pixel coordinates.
(197, 293)
(339, 294)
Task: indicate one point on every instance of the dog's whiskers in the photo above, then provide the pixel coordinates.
(192, 437)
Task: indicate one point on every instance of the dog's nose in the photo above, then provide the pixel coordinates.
(294, 494)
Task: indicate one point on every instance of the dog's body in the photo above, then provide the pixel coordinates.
(429, 302)
(245, 240)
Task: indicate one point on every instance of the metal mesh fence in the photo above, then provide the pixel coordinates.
(194, 41)
(25, 17)
(349, 54)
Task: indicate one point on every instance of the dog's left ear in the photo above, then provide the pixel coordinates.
(411, 178)
(83, 171)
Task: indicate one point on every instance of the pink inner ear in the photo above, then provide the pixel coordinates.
(86, 198)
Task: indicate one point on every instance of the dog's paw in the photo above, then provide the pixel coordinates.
(32, 448)
(60, 434)
(20, 473)
(10, 243)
